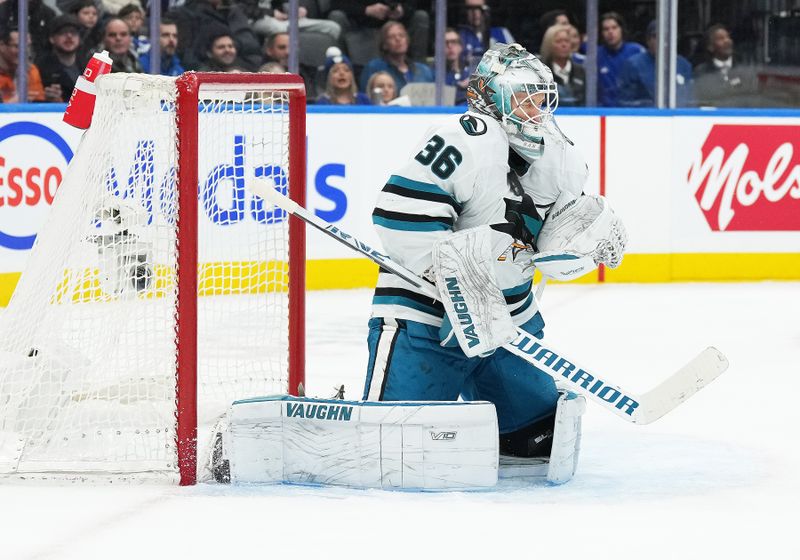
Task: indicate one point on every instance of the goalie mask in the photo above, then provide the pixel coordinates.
(515, 88)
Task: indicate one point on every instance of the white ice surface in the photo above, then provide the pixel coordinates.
(718, 478)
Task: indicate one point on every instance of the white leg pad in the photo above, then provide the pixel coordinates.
(566, 438)
(560, 466)
(390, 445)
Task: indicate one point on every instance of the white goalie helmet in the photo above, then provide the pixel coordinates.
(517, 89)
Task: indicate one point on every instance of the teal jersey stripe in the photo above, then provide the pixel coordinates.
(558, 258)
(516, 290)
(526, 304)
(417, 185)
(410, 226)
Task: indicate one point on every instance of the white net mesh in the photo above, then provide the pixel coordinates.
(87, 344)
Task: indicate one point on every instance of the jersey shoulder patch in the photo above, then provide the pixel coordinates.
(473, 125)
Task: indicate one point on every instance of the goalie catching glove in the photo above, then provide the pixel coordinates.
(579, 234)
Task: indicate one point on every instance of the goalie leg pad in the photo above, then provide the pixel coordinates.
(564, 430)
(389, 445)
(566, 438)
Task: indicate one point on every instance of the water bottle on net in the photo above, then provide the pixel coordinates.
(81, 103)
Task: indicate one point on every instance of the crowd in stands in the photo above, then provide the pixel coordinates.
(353, 52)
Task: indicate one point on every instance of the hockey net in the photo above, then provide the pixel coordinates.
(160, 289)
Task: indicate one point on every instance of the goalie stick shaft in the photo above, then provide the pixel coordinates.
(637, 409)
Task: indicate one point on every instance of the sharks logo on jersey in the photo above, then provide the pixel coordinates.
(523, 221)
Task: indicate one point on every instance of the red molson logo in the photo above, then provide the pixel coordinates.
(748, 178)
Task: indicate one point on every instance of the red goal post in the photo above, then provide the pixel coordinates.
(189, 85)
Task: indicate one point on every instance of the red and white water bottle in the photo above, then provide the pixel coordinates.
(81, 103)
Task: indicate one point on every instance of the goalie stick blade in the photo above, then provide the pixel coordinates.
(702, 370)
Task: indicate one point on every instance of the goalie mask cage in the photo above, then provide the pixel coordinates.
(160, 289)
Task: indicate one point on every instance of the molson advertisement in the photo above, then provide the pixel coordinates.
(747, 177)
(736, 197)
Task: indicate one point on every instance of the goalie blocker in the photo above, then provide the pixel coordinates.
(388, 445)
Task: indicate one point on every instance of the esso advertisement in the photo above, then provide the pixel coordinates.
(747, 178)
(33, 159)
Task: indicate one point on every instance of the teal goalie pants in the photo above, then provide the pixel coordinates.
(406, 363)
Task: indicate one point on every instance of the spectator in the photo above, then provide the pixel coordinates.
(87, 14)
(276, 20)
(637, 84)
(611, 55)
(373, 15)
(721, 81)
(9, 58)
(577, 45)
(199, 20)
(547, 20)
(272, 68)
(114, 7)
(117, 41)
(221, 55)
(71, 6)
(555, 52)
(248, 44)
(380, 88)
(276, 49)
(457, 73)
(91, 29)
(395, 59)
(60, 67)
(554, 17)
(40, 17)
(168, 42)
(340, 82)
(133, 15)
(477, 33)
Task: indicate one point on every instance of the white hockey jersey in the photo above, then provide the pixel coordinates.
(458, 178)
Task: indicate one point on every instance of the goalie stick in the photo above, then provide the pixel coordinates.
(637, 409)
